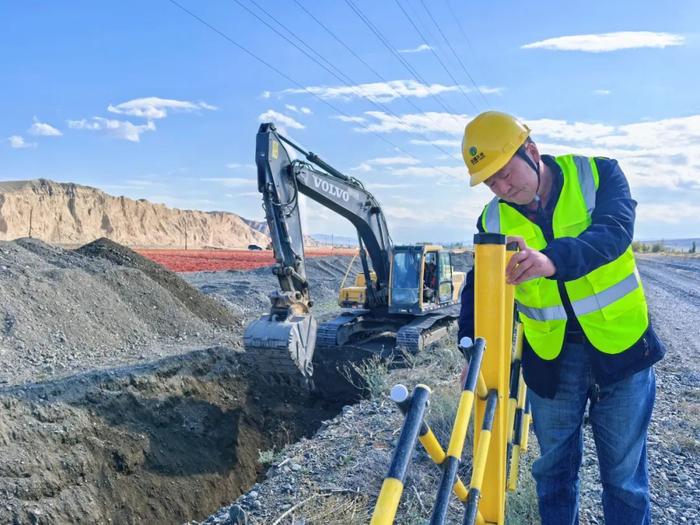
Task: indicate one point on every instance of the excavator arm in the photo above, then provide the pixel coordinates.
(287, 335)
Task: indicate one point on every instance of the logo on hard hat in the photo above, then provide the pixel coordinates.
(476, 155)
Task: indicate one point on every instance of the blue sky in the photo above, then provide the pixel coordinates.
(143, 100)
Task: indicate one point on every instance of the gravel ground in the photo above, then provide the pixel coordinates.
(122, 400)
(335, 476)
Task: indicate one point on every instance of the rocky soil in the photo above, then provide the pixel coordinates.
(334, 477)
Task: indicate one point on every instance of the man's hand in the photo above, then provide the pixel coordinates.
(527, 263)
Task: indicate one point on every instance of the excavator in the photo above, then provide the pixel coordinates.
(405, 298)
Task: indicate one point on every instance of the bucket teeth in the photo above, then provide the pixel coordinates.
(281, 348)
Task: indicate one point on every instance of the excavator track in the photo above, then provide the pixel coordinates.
(421, 332)
(335, 332)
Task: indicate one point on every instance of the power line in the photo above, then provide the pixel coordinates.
(396, 54)
(290, 79)
(453, 51)
(358, 57)
(408, 17)
(341, 77)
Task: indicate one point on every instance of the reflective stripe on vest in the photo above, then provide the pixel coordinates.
(606, 297)
(583, 306)
(493, 217)
(586, 181)
(550, 313)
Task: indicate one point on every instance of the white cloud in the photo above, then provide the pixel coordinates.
(156, 108)
(18, 142)
(295, 109)
(387, 161)
(231, 182)
(603, 42)
(354, 120)
(675, 213)
(120, 129)
(376, 91)
(454, 172)
(362, 167)
(419, 49)
(446, 143)
(427, 122)
(280, 120)
(388, 185)
(43, 130)
(236, 165)
(602, 91)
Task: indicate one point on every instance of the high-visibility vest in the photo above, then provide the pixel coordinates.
(608, 302)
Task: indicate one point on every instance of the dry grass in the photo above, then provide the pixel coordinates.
(328, 509)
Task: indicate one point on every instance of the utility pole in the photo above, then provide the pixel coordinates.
(31, 212)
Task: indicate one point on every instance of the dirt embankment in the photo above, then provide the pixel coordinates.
(71, 214)
(124, 400)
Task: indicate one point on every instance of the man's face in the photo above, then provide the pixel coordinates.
(516, 182)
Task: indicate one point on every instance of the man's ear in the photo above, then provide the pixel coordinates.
(531, 148)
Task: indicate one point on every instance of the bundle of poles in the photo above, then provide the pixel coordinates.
(494, 390)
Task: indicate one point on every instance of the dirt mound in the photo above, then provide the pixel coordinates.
(63, 312)
(196, 302)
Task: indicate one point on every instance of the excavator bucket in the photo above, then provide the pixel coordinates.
(282, 347)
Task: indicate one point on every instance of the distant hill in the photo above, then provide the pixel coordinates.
(67, 213)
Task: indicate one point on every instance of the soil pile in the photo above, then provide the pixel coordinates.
(65, 312)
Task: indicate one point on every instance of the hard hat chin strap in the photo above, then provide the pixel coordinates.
(522, 153)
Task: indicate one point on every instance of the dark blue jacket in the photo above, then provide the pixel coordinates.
(608, 236)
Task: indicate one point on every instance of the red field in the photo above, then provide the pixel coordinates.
(210, 260)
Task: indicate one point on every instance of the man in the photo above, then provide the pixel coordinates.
(588, 338)
(429, 281)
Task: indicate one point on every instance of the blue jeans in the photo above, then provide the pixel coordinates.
(619, 416)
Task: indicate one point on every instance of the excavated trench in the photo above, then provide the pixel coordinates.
(166, 442)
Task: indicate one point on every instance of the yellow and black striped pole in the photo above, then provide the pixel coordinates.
(490, 323)
(392, 487)
(515, 380)
(479, 460)
(527, 417)
(399, 394)
(459, 433)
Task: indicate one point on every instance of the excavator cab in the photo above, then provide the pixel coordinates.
(422, 279)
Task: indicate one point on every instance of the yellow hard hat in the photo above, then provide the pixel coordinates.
(490, 141)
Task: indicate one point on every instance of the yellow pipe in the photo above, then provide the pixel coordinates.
(461, 423)
(512, 404)
(518, 350)
(525, 431)
(490, 319)
(522, 392)
(481, 389)
(388, 502)
(479, 459)
(514, 466)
